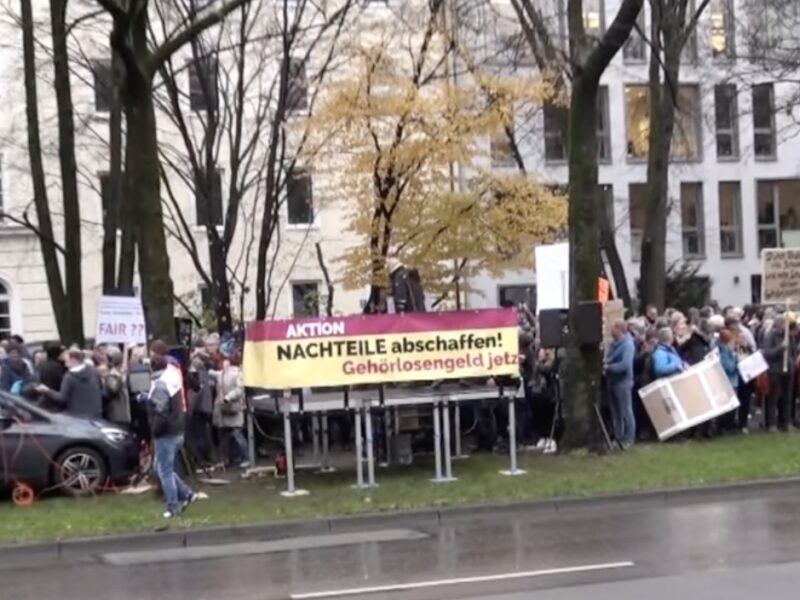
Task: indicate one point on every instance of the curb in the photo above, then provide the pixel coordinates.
(425, 519)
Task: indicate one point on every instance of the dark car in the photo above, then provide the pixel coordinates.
(56, 451)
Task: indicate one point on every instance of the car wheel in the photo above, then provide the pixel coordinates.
(81, 471)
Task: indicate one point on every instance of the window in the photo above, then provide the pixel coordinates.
(693, 224)
(555, 132)
(517, 294)
(107, 200)
(730, 219)
(208, 199)
(727, 121)
(103, 89)
(689, 52)
(637, 204)
(593, 18)
(296, 86)
(606, 195)
(203, 84)
(635, 50)
(206, 299)
(299, 198)
(686, 136)
(500, 148)
(764, 121)
(513, 49)
(305, 300)
(2, 205)
(603, 128)
(722, 28)
(5, 312)
(778, 213)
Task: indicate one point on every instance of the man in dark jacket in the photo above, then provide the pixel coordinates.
(15, 370)
(781, 359)
(166, 416)
(51, 371)
(80, 393)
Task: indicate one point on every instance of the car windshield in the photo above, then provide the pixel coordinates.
(17, 408)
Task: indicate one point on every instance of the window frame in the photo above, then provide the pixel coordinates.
(303, 283)
(728, 29)
(636, 233)
(199, 98)
(7, 298)
(636, 40)
(558, 115)
(296, 67)
(771, 131)
(217, 179)
(295, 175)
(733, 130)
(699, 229)
(102, 105)
(736, 229)
(604, 134)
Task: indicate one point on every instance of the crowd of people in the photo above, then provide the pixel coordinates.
(199, 397)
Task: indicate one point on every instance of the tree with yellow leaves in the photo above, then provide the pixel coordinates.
(409, 151)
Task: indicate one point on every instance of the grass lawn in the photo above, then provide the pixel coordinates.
(647, 467)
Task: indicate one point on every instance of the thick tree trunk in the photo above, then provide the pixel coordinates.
(582, 389)
(142, 180)
(219, 278)
(584, 361)
(69, 175)
(653, 268)
(44, 221)
(114, 196)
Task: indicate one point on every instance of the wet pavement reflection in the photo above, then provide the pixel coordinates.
(661, 539)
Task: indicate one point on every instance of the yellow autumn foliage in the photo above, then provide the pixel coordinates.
(410, 152)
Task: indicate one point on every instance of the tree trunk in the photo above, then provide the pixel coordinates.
(219, 277)
(44, 222)
(609, 246)
(583, 386)
(653, 273)
(142, 182)
(584, 361)
(69, 176)
(114, 196)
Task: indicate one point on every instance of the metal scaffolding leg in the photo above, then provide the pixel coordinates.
(315, 436)
(437, 443)
(326, 442)
(457, 454)
(359, 449)
(512, 438)
(370, 445)
(387, 435)
(448, 463)
(251, 435)
(291, 491)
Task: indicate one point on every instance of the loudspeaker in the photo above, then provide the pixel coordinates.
(589, 323)
(553, 328)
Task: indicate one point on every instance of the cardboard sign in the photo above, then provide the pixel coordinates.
(752, 366)
(552, 277)
(780, 275)
(120, 320)
(699, 394)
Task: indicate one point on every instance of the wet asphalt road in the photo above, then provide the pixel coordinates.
(737, 548)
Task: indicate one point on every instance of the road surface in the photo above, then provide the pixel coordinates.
(737, 548)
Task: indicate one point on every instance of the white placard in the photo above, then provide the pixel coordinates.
(120, 320)
(752, 366)
(552, 277)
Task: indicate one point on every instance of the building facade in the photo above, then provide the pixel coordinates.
(734, 180)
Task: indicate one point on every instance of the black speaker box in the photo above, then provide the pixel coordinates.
(589, 323)
(553, 328)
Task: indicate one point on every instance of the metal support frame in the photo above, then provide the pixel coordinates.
(512, 437)
(326, 442)
(442, 441)
(315, 435)
(457, 453)
(251, 435)
(370, 444)
(291, 491)
(359, 449)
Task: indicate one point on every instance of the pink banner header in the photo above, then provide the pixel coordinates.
(292, 329)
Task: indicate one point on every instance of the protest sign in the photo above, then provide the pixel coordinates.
(120, 320)
(752, 366)
(552, 277)
(381, 348)
(698, 394)
(780, 275)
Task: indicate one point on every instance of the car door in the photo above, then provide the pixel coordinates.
(28, 440)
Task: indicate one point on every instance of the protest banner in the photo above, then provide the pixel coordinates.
(381, 349)
(780, 276)
(552, 277)
(698, 394)
(120, 320)
(752, 366)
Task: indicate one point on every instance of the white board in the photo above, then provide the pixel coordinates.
(552, 277)
(752, 366)
(780, 275)
(120, 320)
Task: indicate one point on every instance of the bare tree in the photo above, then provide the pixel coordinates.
(672, 24)
(142, 55)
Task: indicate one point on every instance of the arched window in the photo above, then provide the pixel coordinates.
(5, 312)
